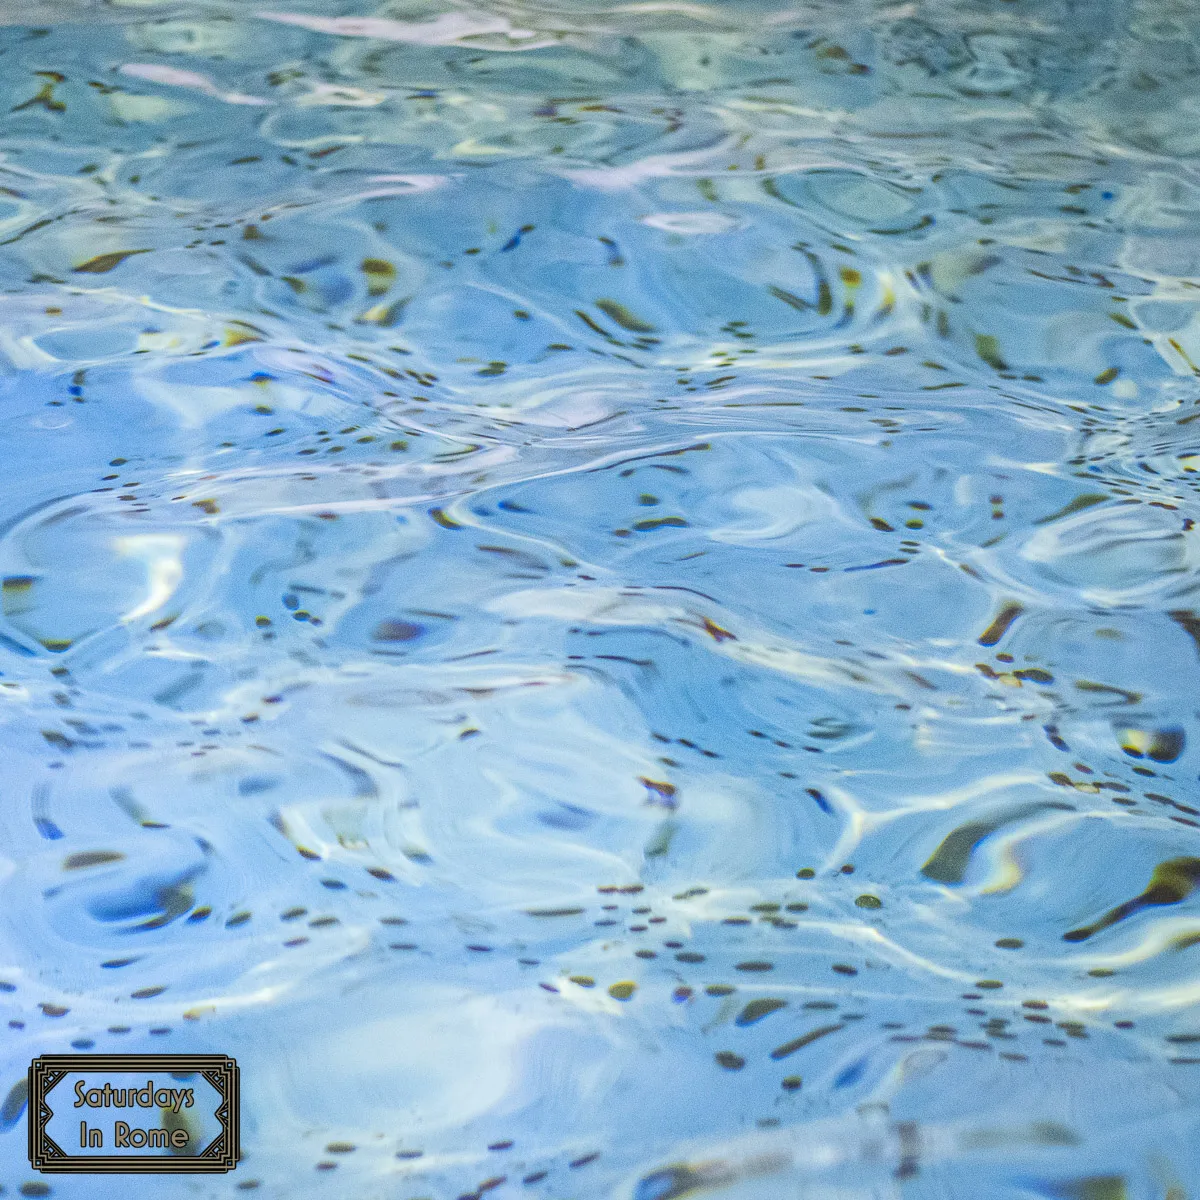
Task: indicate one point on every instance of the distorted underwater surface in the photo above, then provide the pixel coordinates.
(607, 595)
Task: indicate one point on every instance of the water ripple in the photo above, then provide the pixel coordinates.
(606, 594)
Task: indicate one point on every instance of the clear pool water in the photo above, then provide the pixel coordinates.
(607, 595)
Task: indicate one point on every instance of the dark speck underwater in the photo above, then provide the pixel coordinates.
(607, 595)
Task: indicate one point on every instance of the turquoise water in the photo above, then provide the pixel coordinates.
(607, 596)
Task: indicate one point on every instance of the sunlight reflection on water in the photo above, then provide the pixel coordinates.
(762, 759)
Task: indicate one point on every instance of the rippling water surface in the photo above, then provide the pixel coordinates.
(607, 595)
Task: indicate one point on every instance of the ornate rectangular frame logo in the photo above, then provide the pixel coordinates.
(219, 1070)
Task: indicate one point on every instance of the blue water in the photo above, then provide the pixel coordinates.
(608, 596)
